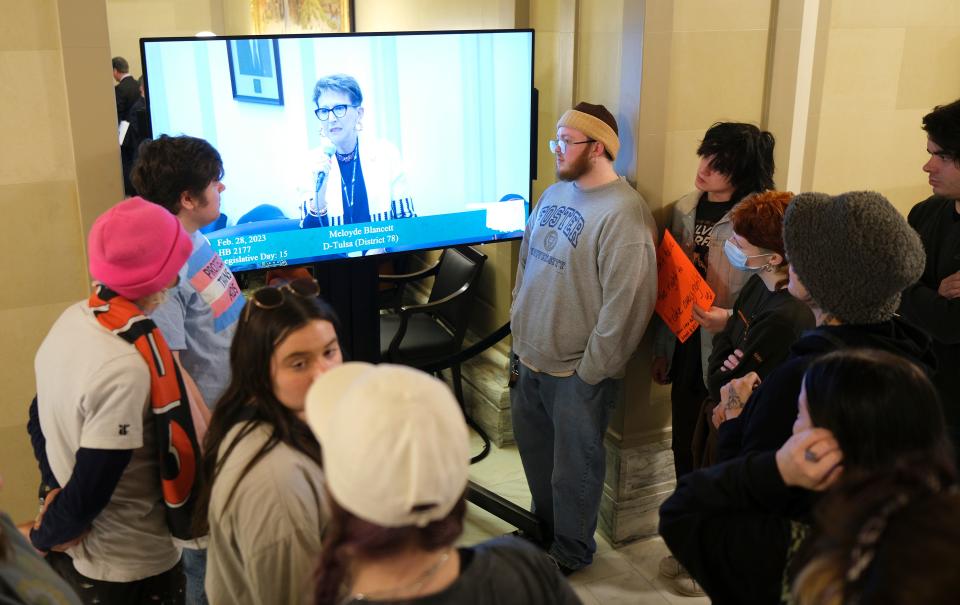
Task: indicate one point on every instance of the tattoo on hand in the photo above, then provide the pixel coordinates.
(734, 402)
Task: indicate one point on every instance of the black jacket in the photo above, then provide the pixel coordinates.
(764, 325)
(730, 525)
(137, 133)
(767, 419)
(127, 91)
(938, 224)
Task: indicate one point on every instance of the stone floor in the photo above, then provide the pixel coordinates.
(622, 575)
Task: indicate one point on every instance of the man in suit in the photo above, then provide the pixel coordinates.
(127, 90)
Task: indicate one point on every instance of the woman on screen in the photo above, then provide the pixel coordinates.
(366, 182)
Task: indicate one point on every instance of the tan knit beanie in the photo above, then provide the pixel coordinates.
(595, 122)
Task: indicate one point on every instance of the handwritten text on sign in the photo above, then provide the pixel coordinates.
(679, 286)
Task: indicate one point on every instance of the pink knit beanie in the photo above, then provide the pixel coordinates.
(137, 248)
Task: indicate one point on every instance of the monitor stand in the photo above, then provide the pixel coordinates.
(351, 287)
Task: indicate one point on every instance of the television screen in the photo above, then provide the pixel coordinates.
(340, 146)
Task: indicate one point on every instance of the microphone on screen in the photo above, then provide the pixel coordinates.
(329, 149)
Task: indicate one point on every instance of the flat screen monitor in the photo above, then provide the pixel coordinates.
(348, 145)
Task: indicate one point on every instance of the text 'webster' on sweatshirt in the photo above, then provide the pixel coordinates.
(587, 281)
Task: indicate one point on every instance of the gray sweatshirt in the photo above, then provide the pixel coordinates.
(587, 280)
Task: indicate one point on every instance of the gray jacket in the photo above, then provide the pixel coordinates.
(722, 278)
(265, 537)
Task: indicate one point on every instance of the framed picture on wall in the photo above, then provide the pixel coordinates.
(255, 70)
(302, 16)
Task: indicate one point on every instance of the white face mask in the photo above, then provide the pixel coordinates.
(738, 258)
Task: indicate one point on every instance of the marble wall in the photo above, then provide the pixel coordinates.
(884, 64)
(59, 168)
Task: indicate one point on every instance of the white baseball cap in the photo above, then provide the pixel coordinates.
(394, 441)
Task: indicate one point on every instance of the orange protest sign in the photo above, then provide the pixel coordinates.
(679, 286)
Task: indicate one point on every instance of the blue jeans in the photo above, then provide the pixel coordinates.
(195, 569)
(559, 424)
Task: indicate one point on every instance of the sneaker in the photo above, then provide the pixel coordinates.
(670, 567)
(564, 570)
(687, 586)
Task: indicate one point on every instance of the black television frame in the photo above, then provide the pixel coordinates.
(534, 110)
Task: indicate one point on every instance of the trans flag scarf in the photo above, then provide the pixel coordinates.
(173, 426)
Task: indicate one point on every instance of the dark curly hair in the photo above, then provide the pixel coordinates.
(168, 167)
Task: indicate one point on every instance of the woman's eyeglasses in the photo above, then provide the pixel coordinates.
(323, 113)
(271, 297)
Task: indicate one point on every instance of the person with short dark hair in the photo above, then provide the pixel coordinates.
(933, 303)
(116, 431)
(396, 454)
(183, 174)
(170, 167)
(126, 91)
(736, 159)
(262, 498)
(585, 291)
(367, 181)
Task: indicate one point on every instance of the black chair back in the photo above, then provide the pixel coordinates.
(458, 269)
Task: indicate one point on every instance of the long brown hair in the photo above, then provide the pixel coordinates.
(893, 510)
(349, 536)
(886, 537)
(249, 398)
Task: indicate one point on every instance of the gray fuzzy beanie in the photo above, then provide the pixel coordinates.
(854, 253)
